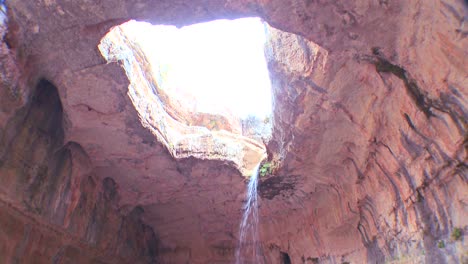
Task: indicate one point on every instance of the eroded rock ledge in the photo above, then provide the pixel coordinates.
(369, 131)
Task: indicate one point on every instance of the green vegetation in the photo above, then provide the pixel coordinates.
(456, 233)
(441, 244)
(266, 169)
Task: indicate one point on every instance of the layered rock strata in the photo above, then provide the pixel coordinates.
(369, 139)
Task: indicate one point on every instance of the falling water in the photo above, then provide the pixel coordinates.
(248, 250)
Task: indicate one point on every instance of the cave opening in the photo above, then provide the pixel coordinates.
(284, 258)
(204, 89)
(216, 67)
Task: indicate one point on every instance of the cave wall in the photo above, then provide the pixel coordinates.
(54, 208)
(368, 154)
(369, 128)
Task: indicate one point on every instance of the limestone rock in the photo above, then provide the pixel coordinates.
(369, 135)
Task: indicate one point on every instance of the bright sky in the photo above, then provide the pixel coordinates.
(2, 13)
(221, 63)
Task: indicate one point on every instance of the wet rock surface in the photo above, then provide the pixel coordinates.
(369, 131)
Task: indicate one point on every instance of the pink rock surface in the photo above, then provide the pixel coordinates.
(370, 134)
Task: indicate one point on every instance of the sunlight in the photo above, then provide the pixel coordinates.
(216, 67)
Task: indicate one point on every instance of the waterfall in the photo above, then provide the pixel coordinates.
(248, 250)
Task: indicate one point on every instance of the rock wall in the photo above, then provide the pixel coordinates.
(369, 135)
(370, 153)
(54, 208)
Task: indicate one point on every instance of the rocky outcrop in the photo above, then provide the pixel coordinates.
(54, 207)
(379, 153)
(369, 139)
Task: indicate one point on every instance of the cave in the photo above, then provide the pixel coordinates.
(203, 90)
(364, 160)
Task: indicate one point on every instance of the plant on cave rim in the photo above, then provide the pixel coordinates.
(441, 244)
(265, 169)
(456, 233)
(268, 168)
